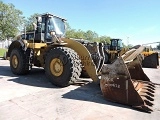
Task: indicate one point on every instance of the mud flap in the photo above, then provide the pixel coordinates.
(151, 61)
(125, 82)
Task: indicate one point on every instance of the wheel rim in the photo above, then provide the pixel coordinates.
(56, 67)
(15, 61)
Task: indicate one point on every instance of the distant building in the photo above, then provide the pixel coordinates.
(5, 43)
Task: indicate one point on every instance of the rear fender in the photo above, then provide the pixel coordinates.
(16, 44)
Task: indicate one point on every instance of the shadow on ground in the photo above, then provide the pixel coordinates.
(35, 78)
(88, 92)
(92, 92)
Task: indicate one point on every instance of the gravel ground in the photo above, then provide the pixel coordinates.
(33, 97)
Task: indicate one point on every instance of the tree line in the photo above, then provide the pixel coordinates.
(11, 20)
(70, 32)
(12, 23)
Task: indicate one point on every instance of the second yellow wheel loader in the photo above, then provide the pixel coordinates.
(62, 58)
(114, 50)
(124, 81)
(151, 58)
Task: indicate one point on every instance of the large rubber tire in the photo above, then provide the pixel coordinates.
(106, 58)
(77, 67)
(84, 74)
(71, 66)
(23, 62)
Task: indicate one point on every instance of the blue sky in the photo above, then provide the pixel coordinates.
(134, 21)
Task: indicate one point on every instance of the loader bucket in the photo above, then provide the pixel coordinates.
(151, 61)
(125, 82)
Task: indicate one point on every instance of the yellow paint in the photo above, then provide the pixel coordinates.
(36, 45)
(56, 67)
(85, 57)
(15, 61)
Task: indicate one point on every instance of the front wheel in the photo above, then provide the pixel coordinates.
(60, 66)
(19, 63)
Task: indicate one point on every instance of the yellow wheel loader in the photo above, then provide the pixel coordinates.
(114, 50)
(62, 58)
(151, 59)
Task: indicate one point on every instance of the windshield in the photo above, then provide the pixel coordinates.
(120, 43)
(114, 43)
(56, 24)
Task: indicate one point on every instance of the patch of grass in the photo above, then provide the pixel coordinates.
(2, 51)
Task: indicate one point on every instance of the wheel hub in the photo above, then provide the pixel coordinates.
(56, 67)
(15, 61)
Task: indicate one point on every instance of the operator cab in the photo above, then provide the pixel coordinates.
(116, 44)
(48, 23)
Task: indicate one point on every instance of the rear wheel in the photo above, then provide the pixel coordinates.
(61, 67)
(19, 62)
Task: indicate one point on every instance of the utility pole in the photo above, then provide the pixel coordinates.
(127, 41)
(25, 32)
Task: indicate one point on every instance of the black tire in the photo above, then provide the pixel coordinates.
(84, 74)
(106, 58)
(70, 68)
(77, 67)
(23, 62)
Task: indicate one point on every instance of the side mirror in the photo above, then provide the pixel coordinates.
(39, 19)
(52, 33)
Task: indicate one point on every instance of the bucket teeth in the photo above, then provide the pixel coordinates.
(150, 94)
(151, 84)
(150, 90)
(124, 81)
(145, 82)
(146, 93)
(148, 86)
(145, 96)
(149, 98)
(148, 103)
(144, 108)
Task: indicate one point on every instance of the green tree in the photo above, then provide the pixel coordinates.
(11, 20)
(79, 34)
(105, 39)
(124, 45)
(158, 46)
(129, 45)
(89, 35)
(70, 33)
(29, 22)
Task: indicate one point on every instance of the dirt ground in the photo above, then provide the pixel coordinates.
(33, 97)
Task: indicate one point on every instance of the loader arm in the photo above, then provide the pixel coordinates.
(85, 57)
